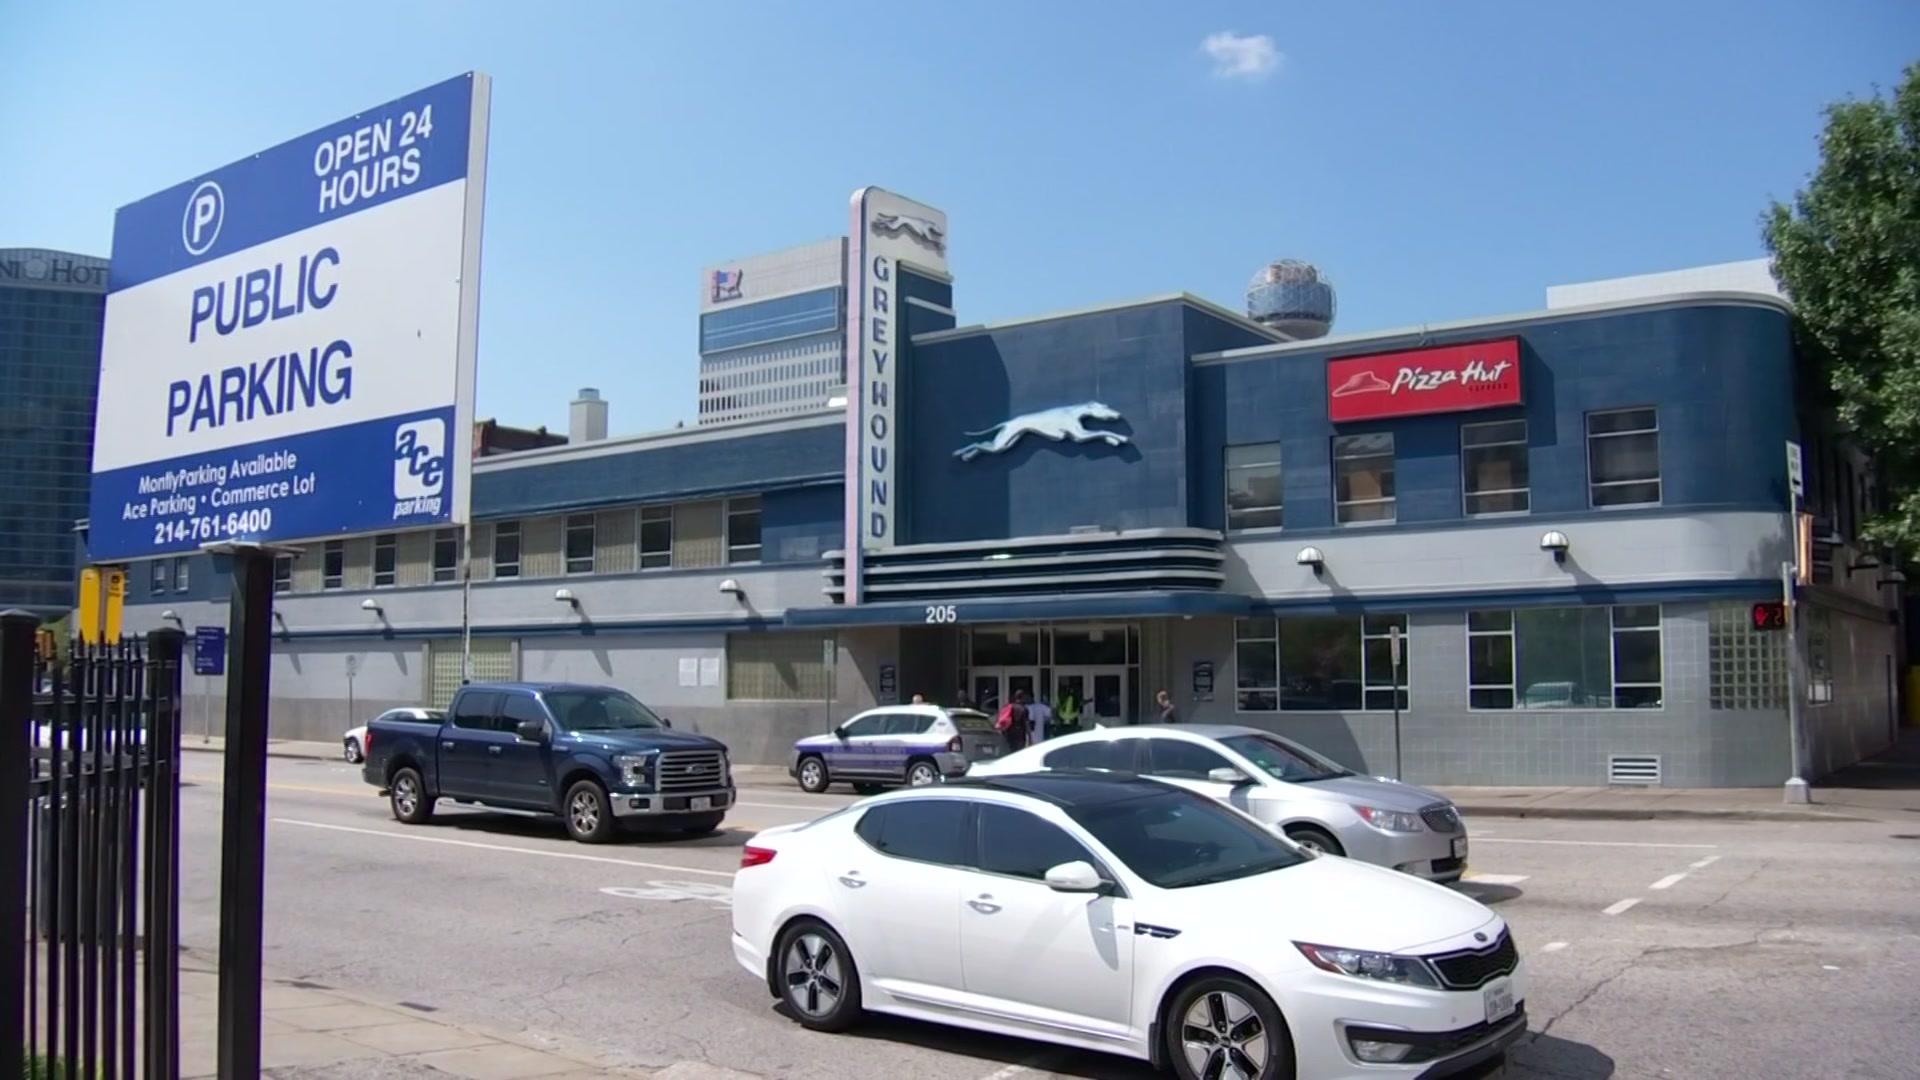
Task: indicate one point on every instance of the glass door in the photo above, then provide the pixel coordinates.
(994, 687)
(1091, 696)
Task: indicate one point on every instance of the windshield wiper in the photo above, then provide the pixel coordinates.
(1245, 871)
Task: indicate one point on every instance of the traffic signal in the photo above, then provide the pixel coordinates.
(1770, 616)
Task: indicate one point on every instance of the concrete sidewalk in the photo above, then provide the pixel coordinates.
(1883, 788)
(311, 1032)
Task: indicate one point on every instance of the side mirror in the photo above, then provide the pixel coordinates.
(664, 722)
(1228, 776)
(1074, 877)
(840, 733)
(531, 730)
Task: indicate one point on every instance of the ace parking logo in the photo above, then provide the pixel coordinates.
(419, 467)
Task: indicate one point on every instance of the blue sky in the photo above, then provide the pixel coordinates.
(1439, 161)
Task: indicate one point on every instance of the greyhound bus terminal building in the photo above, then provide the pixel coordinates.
(1543, 537)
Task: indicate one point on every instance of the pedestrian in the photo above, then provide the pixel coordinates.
(919, 699)
(1168, 713)
(1040, 721)
(961, 700)
(1012, 722)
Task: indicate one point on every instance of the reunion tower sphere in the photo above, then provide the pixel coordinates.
(1292, 297)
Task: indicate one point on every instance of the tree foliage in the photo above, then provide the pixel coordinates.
(1847, 253)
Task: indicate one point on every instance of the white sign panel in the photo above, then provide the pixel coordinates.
(1796, 470)
(888, 231)
(289, 342)
(741, 282)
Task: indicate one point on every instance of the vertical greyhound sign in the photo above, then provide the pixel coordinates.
(887, 231)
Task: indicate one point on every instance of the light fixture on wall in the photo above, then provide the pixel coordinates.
(565, 596)
(172, 616)
(732, 588)
(1555, 543)
(1312, 557)
(371, 606)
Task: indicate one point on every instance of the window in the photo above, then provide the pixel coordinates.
(519, 707)
(924, 830)
(1253, 486)
(861, 727)
(1283, 759)
(1022, 845)
(580, 543)
(1565, 658)
(333, 565)
(1623, 457)
(1746, 667)
(601, 710)
(180, 574)
(777, 666)
(1318, 663)
(1178, 838)
(656, 537)
(1114, 755)
(283, 573)
(1183, 760)
(157, 583)
(385, 558)
(474, 711)
(1819, 624)
(506, 549)
(1493, 466)
(1363, 478)
(446, 555)
(902, 723)
(743, 529)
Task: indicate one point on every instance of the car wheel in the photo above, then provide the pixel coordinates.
(1315, 840)
(702, 825)
(921, 773)
(813, 775)
(589, 818)
(353, 752)
(1225, 1026)
(408, 795)
(868, 788)
(816, 976)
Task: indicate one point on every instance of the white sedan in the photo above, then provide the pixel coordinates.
(353, 745)
(1122, 914)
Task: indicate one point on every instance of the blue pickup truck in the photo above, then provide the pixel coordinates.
(593, 755)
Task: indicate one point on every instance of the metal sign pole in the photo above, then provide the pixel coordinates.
(1796, 788)
(1393, 645)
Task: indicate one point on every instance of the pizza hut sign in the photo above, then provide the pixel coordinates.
(1449, 378)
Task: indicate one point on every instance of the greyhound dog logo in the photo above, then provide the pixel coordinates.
(1068, 422)
(923, 231)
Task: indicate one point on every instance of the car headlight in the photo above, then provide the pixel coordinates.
(636, 770)
(1385, 967)
(1389, 820)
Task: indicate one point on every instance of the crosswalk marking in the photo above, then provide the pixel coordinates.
(1476, 878)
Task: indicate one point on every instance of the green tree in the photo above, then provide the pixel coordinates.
(1847, 252)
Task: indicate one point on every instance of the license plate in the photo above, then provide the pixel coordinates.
(704, 802)
(1460, 848)
(988, 751)
(1499, 998)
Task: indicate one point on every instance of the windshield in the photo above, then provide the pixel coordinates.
(1284, 760)
(977, 723)
(600, 710)
(1178, 839)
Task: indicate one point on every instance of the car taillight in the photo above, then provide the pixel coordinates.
(755, 856)
(955, 745)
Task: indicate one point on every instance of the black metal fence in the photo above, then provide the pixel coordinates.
(90, 855)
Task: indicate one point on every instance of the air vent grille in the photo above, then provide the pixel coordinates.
(1638, 769)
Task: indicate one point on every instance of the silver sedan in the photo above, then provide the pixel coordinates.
(1316, 802)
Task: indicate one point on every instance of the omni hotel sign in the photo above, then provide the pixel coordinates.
(42, 269)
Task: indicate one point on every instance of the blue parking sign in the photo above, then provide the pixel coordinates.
(209, 650)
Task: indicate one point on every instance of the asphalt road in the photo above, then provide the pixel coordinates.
(1657, 949)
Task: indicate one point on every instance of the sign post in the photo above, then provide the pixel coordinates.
(288, 356)
(209, 661)
(1791, 574)
(1393, 649)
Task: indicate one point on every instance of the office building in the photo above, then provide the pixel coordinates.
(773, 333)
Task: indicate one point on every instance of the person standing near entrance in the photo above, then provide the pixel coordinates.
(1040, 721)
(1013, 720)
(1168, 713)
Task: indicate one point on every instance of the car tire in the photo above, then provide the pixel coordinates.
(813, 774)
(587, 813)
(922, 772)
(868, 788)
(1228, 1019)
(704, 825)
(820, 988)
(352, 752)
(407, 795)
(1315, 839)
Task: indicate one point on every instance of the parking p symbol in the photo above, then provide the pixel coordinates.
(206, 212)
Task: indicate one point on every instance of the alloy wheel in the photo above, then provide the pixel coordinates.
(585, 812)
(1223, 1038)
(810, 773)
(813, 975)
(920, 775)
(406, 795)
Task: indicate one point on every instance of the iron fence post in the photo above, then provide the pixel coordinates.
(164, 651)
(17, 650)
(243, 824)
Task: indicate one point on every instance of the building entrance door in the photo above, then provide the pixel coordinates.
(994, 687)
(1098, 693)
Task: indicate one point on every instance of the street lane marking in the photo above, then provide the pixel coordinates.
(511, 850)
(216, 781)
(1669, 881)
(1553, 946)
(1621, 906)
(1591, 843)
(1706, 862)
(1475, 878)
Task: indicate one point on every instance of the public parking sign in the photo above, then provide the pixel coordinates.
(289, 341)
(209, 650)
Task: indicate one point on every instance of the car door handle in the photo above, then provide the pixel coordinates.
(448, 745)
(853, 880)
(494, 750)
(984, 905)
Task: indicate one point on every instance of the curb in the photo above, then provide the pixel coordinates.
(1605, 813)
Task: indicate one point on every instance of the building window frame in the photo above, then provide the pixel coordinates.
(740, 511)
(1487, 441)
(1619, 493)
(386, 561)
(182, 574)
(1495, 633)
(654, 518)
(283, 573)
(580, 534)
(333, 566)
(1358, 455)
(159, 577)
(506, 550)
(1256, 462)
(1261, 644)
(445, 542)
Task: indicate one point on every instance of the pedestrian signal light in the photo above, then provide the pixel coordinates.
(1770, 616)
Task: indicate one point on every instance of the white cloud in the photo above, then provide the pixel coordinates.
(1241, 56)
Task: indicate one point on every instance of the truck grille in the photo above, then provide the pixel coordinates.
(1441, 818)
(1470, 969)
(692, 770)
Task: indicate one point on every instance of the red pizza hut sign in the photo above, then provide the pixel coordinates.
(1450, 378)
